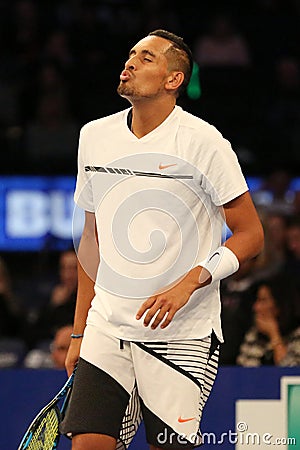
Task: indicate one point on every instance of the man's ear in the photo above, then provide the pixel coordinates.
(175, 79)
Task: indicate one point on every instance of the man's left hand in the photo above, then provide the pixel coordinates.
(162, 307)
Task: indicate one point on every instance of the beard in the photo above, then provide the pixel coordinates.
(132, 93)
(126, 91)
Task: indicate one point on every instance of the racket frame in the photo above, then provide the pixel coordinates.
(64, 392)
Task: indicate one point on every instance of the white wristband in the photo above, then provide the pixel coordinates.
(221, 263)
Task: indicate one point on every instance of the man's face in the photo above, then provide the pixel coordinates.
(146, 70)
(60, 346)
(265, 304)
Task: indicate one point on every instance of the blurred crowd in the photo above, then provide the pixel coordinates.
(36, 325)
(60, 63)
(59, 68)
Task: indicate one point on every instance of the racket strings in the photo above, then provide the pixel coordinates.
(44, 436)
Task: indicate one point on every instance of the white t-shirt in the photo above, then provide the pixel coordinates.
(157, 202)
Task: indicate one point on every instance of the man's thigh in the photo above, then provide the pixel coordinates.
(97, 403)
(103, 385)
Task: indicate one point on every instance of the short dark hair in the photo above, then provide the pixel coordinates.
(186, 56)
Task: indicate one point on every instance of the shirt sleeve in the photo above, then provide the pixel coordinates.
(83, 195)
(223, 179)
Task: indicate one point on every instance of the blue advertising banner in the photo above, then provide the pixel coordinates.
(249, 407)
(37, 212)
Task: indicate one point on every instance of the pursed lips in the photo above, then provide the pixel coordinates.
(125, 75)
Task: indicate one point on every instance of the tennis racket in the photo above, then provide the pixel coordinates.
(43, 432)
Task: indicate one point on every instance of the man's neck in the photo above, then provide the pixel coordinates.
(148, 116)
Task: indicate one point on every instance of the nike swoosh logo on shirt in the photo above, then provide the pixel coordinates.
(165, 166)
(181, 420)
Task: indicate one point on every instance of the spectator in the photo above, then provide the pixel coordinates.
(277, 185)
(283, 110)
(50, 356)
(49, 80)
(296, 203)
(57, 49)
(292, 265)
(226, 73)
(11, 310)
(51, 136)
(237, 293)
(222, 45)
(274, 337)
(157, 14)
(274, 255)
(68, 278)
(60, 346)
(61, 306)
(25, 31)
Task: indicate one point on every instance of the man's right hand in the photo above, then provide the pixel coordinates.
(73, 355)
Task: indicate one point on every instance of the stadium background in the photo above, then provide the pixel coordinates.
(59, 68)
(60, 63)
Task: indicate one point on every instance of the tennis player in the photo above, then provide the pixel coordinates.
(156, 184)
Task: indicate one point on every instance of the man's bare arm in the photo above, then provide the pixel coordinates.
(247, 237)
(88, 261)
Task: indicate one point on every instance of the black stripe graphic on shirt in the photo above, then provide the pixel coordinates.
(137, 173)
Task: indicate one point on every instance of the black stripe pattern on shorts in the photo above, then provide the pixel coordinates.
(195, 359)
(131, 421)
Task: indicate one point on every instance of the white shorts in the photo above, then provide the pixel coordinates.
(119, 383)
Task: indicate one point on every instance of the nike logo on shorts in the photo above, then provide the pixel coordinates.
(181, 420)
